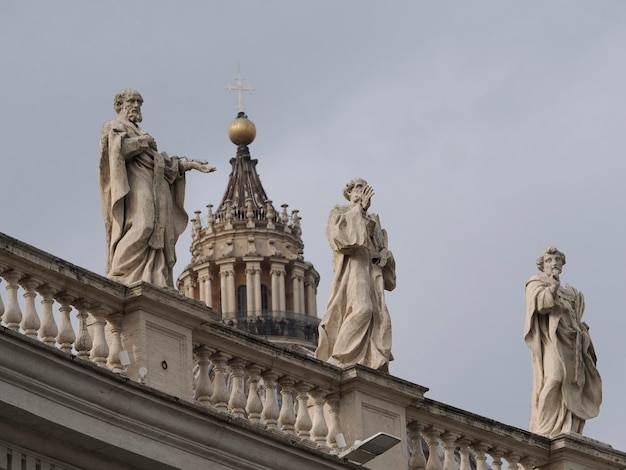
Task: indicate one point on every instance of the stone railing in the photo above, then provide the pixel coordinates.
(175, 345)
(267, 385)
(73, 291)
(80, 312)
(228, 215)
(286, 324)
(449, 429)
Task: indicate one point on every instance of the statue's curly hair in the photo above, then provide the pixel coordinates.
(350, 186)
(549, 251)
(119, 99)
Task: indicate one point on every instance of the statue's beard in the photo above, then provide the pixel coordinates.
(134, 116)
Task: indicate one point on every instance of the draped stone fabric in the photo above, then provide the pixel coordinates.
(142, 193)
(357, 325)
(567, 389)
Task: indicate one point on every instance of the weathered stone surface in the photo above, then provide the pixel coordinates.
(142, 192)
(357, 327)
(567, 389)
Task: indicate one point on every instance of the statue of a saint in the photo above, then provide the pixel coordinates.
(357, 327)
(567, 389)
(142, 192)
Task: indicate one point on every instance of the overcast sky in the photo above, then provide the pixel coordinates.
(489, 130)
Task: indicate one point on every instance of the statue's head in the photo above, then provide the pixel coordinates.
(353, 190)
(127, 105)
(550, 260)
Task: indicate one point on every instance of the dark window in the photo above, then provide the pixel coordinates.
(242, 301)
(264, 305)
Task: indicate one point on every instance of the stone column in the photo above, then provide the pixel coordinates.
(297, 275)
(253, 286)
(205, 289)
(227, 280)
(278, 287)
(224, 297)
(250, 307)
(230, 290)
(257, 289)
(311, 301)
(204, 284)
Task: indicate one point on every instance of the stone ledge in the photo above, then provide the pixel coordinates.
(105, 413)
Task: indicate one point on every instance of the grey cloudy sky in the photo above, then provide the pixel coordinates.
(488, 129)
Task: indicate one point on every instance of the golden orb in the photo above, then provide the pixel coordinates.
(242, 131)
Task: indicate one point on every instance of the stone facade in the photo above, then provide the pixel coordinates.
(238, 401)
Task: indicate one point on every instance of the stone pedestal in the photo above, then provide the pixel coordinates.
(373, 402)
(577, 452)
(159, 341)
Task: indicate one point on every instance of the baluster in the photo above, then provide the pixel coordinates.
(528, 463)
(83, 343)
(496, 455)
(204, 389)
(219, 398)
(269, 214)
(66, 335)
(254, 406)
(30, 321)
(480, 448)
(100, 349)
(417, 461)
(284, 217)
(287, 416)
(319, 430)
(270, 408)
(449, 446)
(48, 329)
(228, 215)
(12, 316)
(114, 321)
(432, 439)
(237, 401)
(334, 428)
(303, 419)
(249, 213)
(464, 445)
(513, 459)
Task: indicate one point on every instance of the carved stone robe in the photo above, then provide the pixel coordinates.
(567, 389)
(357, 325)
(142, 193)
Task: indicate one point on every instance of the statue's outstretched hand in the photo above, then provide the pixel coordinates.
(200, 165)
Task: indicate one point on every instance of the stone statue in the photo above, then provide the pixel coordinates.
(567, 389)
(357, 328)
(142, 192)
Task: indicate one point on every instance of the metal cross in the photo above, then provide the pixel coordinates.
(240, 89)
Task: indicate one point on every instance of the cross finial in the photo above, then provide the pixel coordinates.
(240, 89)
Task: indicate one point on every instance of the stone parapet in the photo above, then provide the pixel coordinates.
(100, 365)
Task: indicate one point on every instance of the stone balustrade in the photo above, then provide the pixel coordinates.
(70, 308)
(268, 385)
(75, 305)
(229, 215)
(446, 430)
(178, 346)
(269, 323)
